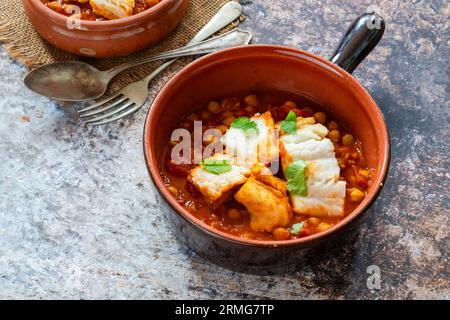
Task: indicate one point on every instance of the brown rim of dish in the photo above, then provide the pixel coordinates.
(113, 23)
(155, 175)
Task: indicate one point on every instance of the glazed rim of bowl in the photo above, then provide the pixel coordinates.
(153, 165)
(62, 19)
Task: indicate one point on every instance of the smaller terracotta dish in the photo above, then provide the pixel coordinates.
(109, 38)
(267, 68)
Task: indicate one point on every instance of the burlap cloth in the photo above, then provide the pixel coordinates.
(24, 44)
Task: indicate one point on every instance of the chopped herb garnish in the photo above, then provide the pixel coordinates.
(216, 166)
(295, 229)
(289, 125)
(296, 178)
(245, 124)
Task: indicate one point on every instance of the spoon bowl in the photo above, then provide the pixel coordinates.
(68, 81)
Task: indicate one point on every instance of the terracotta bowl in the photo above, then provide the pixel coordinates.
(262, 68)
(102, 39)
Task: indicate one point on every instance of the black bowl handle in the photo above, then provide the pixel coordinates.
(359, 40)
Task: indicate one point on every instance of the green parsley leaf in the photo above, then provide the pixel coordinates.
(216, 166)
(289, 125)
(245, 124)
(296, 178)
(295, 229)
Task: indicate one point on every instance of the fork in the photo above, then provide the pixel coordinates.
(132, 97)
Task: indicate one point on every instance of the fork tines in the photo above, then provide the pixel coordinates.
(107, 110)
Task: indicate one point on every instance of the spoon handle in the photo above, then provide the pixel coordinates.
(227, 14)
(359, 40)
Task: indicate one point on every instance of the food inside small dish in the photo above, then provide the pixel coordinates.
(98, 10)
(267, 167)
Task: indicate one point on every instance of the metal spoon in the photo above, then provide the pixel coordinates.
(79, 81)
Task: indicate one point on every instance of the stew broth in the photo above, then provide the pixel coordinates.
(232, 217)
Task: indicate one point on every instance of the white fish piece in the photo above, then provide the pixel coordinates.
(309, 150)
(113, 9)
(217, 188)
(326, 193)
(318, 207)
(250, 147)
(329, 189)
(266, 201)
(308, 132)
(323, 169)
(241, 145)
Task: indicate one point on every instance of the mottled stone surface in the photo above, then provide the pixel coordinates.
(78, 218)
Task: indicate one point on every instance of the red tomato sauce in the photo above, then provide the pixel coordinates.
(232, 217)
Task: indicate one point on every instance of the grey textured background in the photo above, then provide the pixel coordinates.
(78, 218)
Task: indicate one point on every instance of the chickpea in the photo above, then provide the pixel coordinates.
(347, 140)
(313, 221)
(214, 107)
(364, 173)
(290, 104)
(173, 190)
(356, 195)
(251, 100)
(205, 115)
(234, 214)
(228, 120)
(334, 135)
(321, 117)
(222, 128)
(281, 234)
(332, 125)
(323, 226)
